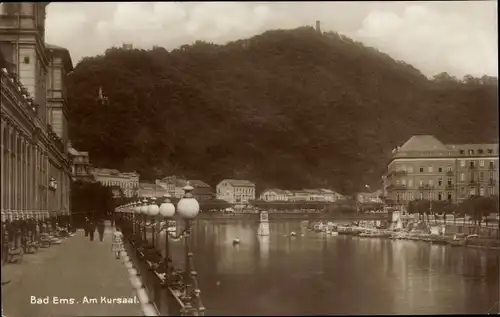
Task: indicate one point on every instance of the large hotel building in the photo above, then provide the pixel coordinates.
(425, 168)
(35, 164)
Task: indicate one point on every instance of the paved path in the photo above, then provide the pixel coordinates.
(77, 268)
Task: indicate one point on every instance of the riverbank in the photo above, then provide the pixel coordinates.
(285, 216)
(476, 242)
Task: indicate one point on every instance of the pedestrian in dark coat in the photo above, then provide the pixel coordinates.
(100, 228)
(86, 226)
(92, 227)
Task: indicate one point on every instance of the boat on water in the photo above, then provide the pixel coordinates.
(332, 229)
(461, 239)
(319, 227)
(400, 236)
(374, 234)
(329, 228)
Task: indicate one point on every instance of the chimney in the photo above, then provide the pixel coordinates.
(318, 26)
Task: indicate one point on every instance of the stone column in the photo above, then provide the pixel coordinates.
(15, 171)
(22, 187)
(46, 177)
(32, 178)
(29, 166)
(8, 167)
(36, 169)
(27, 175)
(3, 185)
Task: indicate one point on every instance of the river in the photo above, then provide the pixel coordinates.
(314, 274)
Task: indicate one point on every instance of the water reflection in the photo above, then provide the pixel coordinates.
(264, 250)
(235, 259)
(317, 274)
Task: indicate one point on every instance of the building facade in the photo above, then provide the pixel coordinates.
(82, 170)
(202, 191)
(374, 197)
(321, 194)
(274, 194)
(127, 182)
(151, 190)
(36, 166)
(173, 185)
(236, 191)
(425, 168)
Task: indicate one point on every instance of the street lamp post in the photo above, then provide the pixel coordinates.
(167, 211)
(153, 211)
(144, 210)
(187, 208)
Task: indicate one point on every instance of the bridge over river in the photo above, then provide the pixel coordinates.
(295, 216)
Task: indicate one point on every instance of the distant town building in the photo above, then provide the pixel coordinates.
(127, 182)
(169, 183)
(82, 170)
(175, 187)
(315, 195)
(298, 195)
(425, 168)
(274, 194)
(202, 191)
(374, 197)
(321, 194)
(330, 195)
(236, 191)
(127, 46)
(151, 190)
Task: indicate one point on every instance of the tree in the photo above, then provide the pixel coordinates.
(91, 200)
(445, 78)
(219, 204)
(478, 207)
(469, 79)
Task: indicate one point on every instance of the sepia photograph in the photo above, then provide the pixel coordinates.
(249, 158)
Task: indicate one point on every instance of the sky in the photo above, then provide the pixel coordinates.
(455, 37)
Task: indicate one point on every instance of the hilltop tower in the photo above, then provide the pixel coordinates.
(318, 27)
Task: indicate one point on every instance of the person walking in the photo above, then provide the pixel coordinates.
(86, 226)
(100, 229)
(117, 245)
(92, 227)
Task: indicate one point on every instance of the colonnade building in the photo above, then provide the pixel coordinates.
(35, 164)
(127, 182)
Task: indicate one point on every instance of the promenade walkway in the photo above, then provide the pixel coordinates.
(78, 269)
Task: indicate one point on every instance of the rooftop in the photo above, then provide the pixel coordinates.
(106, 171)
(75, 152)
(326, 191)
(149, 186)
(312, 191)
(54, 49)
(423, 143)
(276, 191)
(428, 145)
(238, 182)
(196, 183)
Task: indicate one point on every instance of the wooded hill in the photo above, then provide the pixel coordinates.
(288, 109)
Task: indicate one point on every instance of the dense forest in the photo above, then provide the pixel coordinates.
(289, 109)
